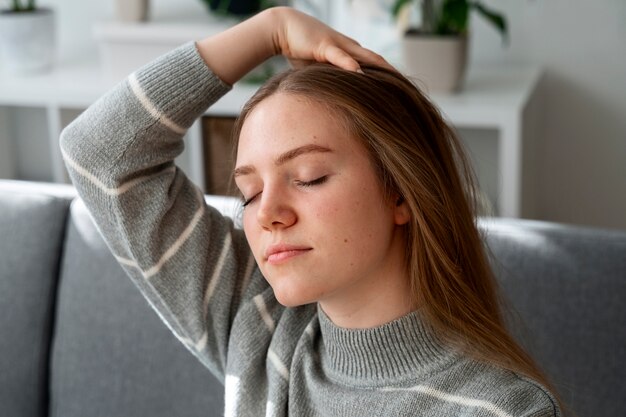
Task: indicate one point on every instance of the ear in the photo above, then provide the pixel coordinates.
(401, 212)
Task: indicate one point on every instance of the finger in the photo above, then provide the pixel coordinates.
(367, 56)
(361, 54)
(340, 58)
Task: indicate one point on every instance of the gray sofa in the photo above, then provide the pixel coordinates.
(77, 338)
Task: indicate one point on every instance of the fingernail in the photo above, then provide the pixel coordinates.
(360, 71)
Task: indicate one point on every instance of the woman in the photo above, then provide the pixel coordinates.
(380, 299)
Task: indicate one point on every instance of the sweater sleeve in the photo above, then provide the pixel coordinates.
(190, 262)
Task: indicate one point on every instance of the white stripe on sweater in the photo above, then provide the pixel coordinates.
(201, 344)
(147, 104)
(125, 261)
(265, 315)
(270, 409)
(181, 239)
(248, 274)
(232, 394)
(150, 272)
(309, 329)
(112, 191)
(217, 272)
(457, 399)
(278, 364)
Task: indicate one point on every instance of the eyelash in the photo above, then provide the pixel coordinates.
(248, 201)
(318, 181)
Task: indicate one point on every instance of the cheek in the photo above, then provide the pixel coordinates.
(347, 222)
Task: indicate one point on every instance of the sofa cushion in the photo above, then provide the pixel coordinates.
(32, 222)
(567, 287)
(112, 356)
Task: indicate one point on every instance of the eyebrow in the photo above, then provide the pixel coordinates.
(283, 158)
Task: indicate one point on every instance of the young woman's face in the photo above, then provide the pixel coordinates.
(315, 215)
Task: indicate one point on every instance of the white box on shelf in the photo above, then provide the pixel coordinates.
(126, 46)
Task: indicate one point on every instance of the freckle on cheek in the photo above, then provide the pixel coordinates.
(345, 241)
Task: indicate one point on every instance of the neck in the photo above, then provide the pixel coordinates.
(385, 299)
(369, 313)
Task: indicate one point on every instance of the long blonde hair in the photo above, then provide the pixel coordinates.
(418, 156)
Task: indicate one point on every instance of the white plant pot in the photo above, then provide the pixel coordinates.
(131, 10)
(436, 62)
(27, 41)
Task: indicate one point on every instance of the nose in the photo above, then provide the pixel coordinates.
(275, 210)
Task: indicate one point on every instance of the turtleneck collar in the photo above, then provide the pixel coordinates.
(401, 350)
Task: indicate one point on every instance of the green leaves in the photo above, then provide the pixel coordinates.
(238, 8)
(452, 18)
(492, 17)
(398, 5)
(18, 6)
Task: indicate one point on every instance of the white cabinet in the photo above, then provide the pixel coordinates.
(502, 100)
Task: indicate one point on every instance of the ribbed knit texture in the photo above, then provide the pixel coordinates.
(383, 355)
(196, 270)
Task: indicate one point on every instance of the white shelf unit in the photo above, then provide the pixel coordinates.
(502, 99)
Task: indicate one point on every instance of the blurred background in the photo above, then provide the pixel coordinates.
(576, 94)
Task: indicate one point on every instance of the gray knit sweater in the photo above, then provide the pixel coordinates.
(196, 270)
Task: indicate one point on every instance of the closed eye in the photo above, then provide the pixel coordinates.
(249, 200)
(318, 181)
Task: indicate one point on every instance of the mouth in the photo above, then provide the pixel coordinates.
(277, 254)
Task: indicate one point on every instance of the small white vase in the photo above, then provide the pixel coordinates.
(436, 62)
(27, 41)
(131, 10)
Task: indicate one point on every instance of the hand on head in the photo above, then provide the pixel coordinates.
(303, 39)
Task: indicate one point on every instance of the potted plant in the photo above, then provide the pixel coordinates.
(238, 8)
(436, 51)
(27, 37)
(132, 10)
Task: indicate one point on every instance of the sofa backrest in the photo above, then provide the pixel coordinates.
(32, 227)
(567, 287)
(111, 355)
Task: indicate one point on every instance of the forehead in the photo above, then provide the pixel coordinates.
(284, 121)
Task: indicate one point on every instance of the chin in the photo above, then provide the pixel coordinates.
(291, 298)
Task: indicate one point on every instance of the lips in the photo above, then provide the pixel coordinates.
(276, 254)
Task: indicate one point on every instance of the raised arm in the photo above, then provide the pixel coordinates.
(190, 263)
(281, 31)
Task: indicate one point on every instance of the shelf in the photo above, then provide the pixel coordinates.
(77, 85)
(493, 98)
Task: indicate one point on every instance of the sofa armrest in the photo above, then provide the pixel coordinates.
(32, 229)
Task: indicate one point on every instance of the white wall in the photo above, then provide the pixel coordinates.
(76, 18)
(580, 45)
